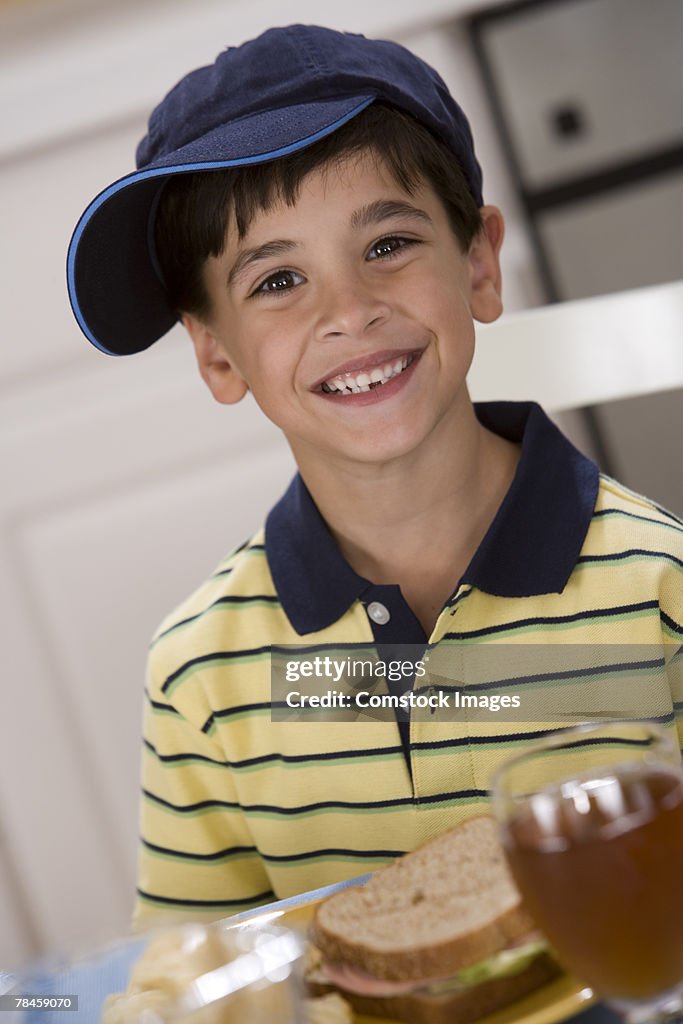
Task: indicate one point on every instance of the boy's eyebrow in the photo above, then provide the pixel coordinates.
(384, 209)
(366, 216)
(260, 252)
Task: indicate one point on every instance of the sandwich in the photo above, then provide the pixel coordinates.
(440, 936)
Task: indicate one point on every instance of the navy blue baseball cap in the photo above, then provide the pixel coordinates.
(260, 101)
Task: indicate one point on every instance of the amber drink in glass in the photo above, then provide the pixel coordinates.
(592, 824)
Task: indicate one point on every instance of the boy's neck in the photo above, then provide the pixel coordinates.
(418, 521)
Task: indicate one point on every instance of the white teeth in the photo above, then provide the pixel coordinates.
(349, 383)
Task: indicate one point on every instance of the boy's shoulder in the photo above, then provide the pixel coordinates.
(241, 579)
(635, 519)
(617, 503)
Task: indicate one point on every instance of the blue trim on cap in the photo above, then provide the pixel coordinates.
(531, 548)
(156, 172)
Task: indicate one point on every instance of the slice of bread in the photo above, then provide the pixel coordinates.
(446, 906)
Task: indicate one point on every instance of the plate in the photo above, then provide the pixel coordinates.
(555, 1002)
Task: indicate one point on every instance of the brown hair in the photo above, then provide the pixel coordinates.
(194, 208)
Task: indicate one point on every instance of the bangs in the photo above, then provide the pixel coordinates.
(197, 208)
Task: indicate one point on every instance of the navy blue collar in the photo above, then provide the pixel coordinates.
(531, 547)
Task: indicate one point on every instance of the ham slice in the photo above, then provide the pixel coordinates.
(353, 979)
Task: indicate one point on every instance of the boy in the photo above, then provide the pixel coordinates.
(310, 206)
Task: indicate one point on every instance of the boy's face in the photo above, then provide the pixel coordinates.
(358, 283)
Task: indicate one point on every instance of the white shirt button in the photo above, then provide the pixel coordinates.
(378, 613)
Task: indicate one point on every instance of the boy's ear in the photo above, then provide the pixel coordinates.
(484, 257)
(218, 373)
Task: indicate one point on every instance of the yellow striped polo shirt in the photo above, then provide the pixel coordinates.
(239, 808)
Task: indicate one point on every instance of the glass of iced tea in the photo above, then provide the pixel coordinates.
(592, 824)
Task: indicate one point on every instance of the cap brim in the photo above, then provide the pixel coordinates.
(115, 290)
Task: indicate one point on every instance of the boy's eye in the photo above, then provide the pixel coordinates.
(386, 247)
(279, 281)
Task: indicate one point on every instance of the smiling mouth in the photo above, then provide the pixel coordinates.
(368, 379)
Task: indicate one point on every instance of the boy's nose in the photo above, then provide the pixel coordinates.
(350, 309)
